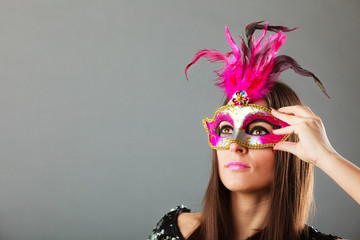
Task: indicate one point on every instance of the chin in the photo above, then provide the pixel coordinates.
(247, 188)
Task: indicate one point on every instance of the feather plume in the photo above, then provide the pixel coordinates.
(255, 66)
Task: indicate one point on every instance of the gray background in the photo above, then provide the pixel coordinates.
(100, 132)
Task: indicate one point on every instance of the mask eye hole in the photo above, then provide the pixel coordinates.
(259, 131)
(225, 129)
(259, 127)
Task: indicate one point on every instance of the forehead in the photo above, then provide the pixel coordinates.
(260, 102)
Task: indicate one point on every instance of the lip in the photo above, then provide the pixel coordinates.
(236, 165)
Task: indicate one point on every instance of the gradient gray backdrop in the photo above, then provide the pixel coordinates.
(100, 132)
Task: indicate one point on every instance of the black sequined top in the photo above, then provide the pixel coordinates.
(167, 229)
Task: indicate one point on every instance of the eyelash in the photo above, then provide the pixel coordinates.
(258, 128)
(251, 132)
(226, 127)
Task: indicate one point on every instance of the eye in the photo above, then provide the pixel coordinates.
(258, 130)
(259, 127)
(226, 129)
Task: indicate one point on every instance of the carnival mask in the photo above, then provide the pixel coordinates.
(231, 124)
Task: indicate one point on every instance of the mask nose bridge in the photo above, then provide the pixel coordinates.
(238, 122)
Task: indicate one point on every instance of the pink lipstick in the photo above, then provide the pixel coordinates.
(237, 165)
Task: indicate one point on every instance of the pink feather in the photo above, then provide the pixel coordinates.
(255, 70)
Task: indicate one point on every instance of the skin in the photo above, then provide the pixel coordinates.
(313, 147)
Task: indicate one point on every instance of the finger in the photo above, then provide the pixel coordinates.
(290, 119)
(290, 147)
(284, 130)
(297, 110)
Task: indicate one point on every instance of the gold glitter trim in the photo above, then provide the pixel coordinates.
(247, 145)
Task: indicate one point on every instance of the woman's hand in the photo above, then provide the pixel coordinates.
(313, 142)
(314, 147)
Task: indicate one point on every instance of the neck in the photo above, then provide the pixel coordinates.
(249, 213)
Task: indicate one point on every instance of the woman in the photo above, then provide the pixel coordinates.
(261, 185)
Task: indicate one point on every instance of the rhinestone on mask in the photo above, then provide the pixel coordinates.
(240, 98)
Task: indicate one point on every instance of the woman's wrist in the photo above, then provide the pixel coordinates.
(326, 159)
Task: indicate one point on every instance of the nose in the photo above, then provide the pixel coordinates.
(235, 147)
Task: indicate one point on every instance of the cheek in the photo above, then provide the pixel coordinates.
(223, 157)
(264, 157)
(220, 155)
(264, 163)
(221, 161)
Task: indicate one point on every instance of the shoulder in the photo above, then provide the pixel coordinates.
(167, 227)
(188, 223)
(315, 234)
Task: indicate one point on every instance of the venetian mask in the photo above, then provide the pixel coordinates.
(231, 123)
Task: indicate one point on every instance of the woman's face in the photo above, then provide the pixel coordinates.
(247, 170)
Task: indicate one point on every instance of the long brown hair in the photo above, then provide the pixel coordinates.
(291, 193)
